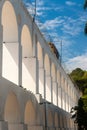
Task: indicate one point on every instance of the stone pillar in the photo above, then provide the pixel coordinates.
(66, 91)
(59, 97)
(34, 41)
(63, 99)
(51, 128)
(67, 103)
(3, 125)
(54, 89)
(57, 94)
(68, 120)
(48, 88)
(1, 45)
(19, 65)
(41, 74)
(61, 121)
(15, 126)
(35, 127)
(42, 81)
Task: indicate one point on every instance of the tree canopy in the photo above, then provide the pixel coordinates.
(80, 113)
(79, 76)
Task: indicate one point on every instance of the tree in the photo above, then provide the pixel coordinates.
(80, 78)
(85, 7)
(79, 113)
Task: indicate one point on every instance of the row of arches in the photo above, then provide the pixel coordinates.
(26, 59)
(12, 110)
(33, 115)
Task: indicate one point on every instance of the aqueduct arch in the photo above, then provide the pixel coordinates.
(10, 42)
(30, 114)
(48, 78)
(56, 121)
(53, 72)
(28, 61)
(26, 43)
(47, 64)
(40, 54)
(54, 83)
(12, 109)
(40, 57)
(50, 118)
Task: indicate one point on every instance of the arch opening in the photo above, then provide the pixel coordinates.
(30, 115)
(28, 79)
(56, 119)
(47, 64)
(48, 79)
(53, 71)
(10, 43)
(40, 54)
(59, 78)
(50, 118)
(54, 83)
(41, 69)
(59, 88)
(12, 109)
(26, 42)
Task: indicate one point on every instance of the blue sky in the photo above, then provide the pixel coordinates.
(63, 20)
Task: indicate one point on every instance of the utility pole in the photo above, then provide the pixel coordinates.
(35, 11)
(60, 42)
(61, 52)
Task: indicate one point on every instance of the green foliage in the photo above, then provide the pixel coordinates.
(80, 78)
(84, 98)
(85, 29)
(85, 4)
(85, 7)
(80, 112)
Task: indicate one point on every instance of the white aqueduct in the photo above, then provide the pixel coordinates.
(35, 91)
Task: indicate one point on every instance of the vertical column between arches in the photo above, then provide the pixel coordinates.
(48, 79)
(41, 69)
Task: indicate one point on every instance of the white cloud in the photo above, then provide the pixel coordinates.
(70, 3)
(68, 25)
(73, 26)
(52, 24)
(39, 7)
(77, 62)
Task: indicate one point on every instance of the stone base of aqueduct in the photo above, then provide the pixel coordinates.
(35, 91)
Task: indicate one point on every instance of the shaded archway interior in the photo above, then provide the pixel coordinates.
(12, 109)
(30, 115)
(27, 74)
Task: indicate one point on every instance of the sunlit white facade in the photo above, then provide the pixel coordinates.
(29, 75)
